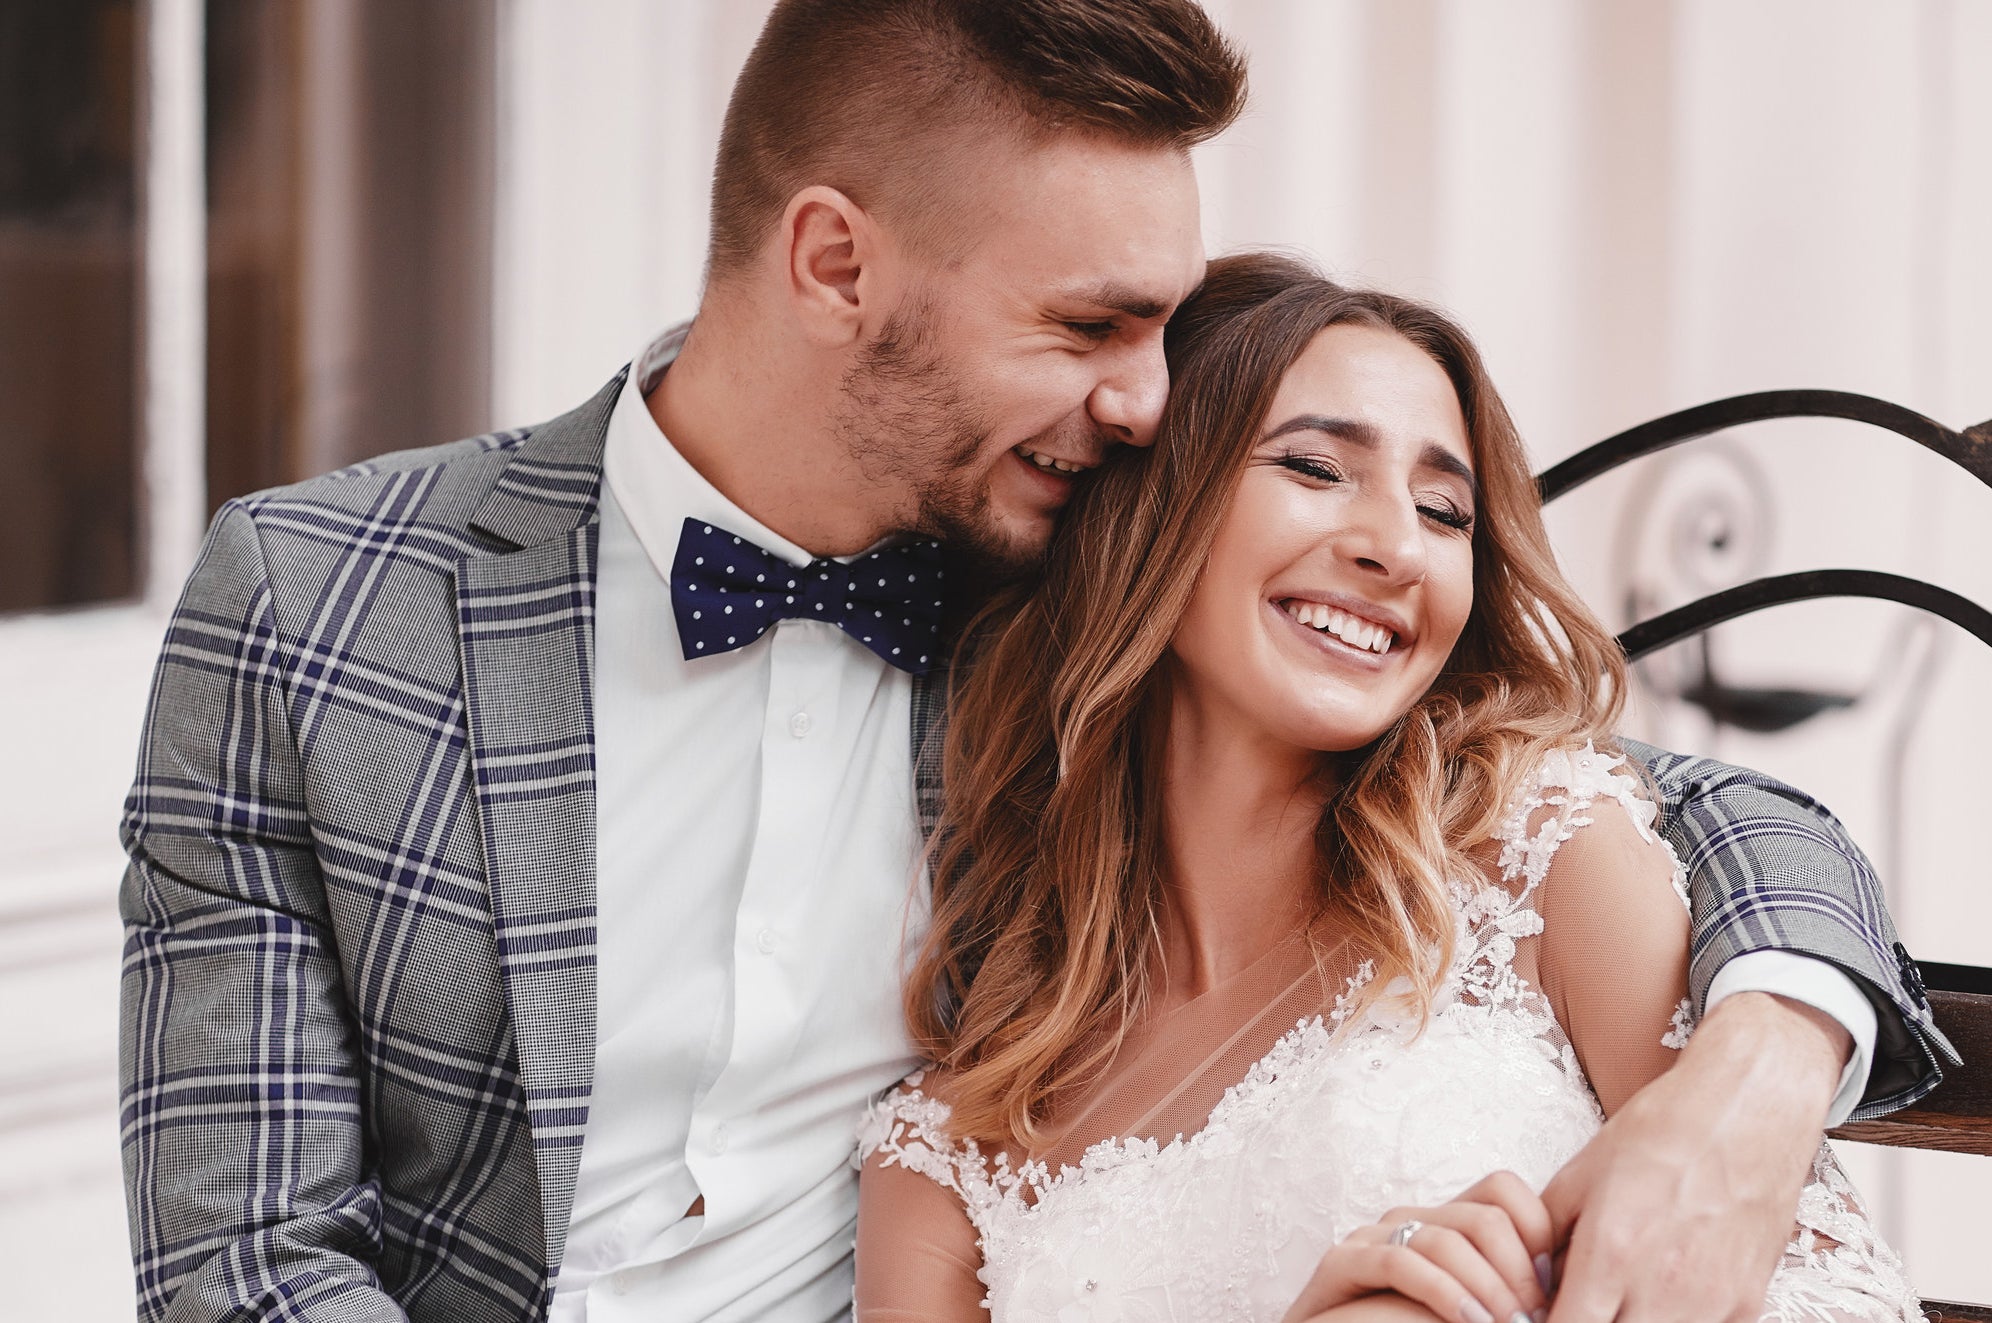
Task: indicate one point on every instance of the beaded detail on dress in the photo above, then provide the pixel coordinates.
(1352, 1111)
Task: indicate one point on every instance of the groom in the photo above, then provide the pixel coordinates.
(525, 829)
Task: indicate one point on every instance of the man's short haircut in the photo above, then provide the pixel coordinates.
(882, 99)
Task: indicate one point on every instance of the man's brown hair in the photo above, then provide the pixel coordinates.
(868, 96)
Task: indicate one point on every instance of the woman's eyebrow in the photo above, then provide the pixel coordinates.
(1433, 456)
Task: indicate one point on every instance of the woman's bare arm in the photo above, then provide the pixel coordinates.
(1613, 954)
(917, 1251)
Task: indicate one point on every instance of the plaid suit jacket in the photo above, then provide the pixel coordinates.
(358, 997)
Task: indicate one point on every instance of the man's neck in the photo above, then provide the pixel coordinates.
(755, 418)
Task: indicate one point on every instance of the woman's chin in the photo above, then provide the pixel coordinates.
(1330, 738)
(1339, 727)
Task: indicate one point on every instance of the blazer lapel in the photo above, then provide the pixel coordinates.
(526, 624)
(930, 698)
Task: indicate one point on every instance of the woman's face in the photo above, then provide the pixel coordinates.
(1343, 573)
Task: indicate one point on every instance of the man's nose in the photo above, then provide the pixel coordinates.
(1127, 402)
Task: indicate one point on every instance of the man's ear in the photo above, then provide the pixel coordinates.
(833, 249)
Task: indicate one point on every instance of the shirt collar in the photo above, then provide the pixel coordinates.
(657, 488)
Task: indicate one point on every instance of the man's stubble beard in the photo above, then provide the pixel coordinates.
(907, 422)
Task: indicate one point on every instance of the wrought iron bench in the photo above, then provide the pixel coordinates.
(1957, 1116)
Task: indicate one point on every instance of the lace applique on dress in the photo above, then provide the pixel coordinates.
(1351, 1112)
(1836, 1267)
(1566, 784)
(1549, 808)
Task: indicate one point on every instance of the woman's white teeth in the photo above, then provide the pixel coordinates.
(1355, 632)
(1047, 462)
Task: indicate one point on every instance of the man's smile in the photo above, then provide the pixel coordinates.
(1053, 464)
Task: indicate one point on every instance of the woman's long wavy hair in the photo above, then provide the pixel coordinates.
(1047, 871)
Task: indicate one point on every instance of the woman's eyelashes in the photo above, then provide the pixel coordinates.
(1457, 520)
(1442, 512)
(1310, 466)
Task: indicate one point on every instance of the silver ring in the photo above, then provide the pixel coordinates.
(1404, 1232)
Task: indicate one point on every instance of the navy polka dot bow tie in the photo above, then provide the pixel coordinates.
(727, 592)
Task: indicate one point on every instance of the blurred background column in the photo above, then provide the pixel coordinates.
(242, 242)
(69, 82)
(351, 150)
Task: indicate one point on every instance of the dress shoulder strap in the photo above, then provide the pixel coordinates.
(1551, 805)
(1554, 802)
(909, 1128)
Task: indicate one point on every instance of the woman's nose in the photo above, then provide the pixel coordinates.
(1383, 536)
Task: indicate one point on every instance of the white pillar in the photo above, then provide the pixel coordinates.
(173, 296)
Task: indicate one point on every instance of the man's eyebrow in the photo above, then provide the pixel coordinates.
(1121, 298)
(1433, 456)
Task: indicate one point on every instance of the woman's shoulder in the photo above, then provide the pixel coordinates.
(1581, 820)
(911, 1128)
(914, 1111)
(1568, 789)
(908, 1127)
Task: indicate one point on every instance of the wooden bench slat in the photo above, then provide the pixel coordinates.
(1966, 1019)
(1945, 1311)
(1957, 1116)
(1917, 1128)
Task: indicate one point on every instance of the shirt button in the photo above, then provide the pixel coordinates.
(765, 942)
(718, 1140)
(799, 724)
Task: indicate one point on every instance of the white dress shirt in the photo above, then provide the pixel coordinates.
(757, 845)
(757, 850)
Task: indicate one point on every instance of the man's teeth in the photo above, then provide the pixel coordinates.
(1047, 462)
(1355, 632)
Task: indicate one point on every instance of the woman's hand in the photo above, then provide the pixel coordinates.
(1481, 1257)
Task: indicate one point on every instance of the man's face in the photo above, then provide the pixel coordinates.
(1005, 376)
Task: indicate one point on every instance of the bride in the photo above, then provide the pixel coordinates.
(1295, 918)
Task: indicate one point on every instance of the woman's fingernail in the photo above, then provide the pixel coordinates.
(1519, 1317)
(1475, 1312)
(1542, 1272)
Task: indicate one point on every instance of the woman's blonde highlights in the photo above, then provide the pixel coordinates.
(1047, 891)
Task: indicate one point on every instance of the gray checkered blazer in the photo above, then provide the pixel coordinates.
(359, 980)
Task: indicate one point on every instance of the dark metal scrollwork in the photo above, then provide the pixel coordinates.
(1700, 532)
(1712, 537)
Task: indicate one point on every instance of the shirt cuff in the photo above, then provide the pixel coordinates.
(1824, 987)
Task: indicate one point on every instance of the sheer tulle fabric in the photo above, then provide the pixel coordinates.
(1238, 1137)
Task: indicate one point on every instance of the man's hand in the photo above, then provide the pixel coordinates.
(1677, 1211)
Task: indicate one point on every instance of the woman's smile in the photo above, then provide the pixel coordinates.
(1357, 625)
(1324, 647)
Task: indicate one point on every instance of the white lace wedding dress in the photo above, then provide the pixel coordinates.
(1344, 1116)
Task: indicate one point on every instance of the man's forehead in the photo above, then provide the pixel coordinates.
(1146, 279)
(1111, 225)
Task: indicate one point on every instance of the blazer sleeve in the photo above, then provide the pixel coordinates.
(1769, 867)
(245, 1177)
